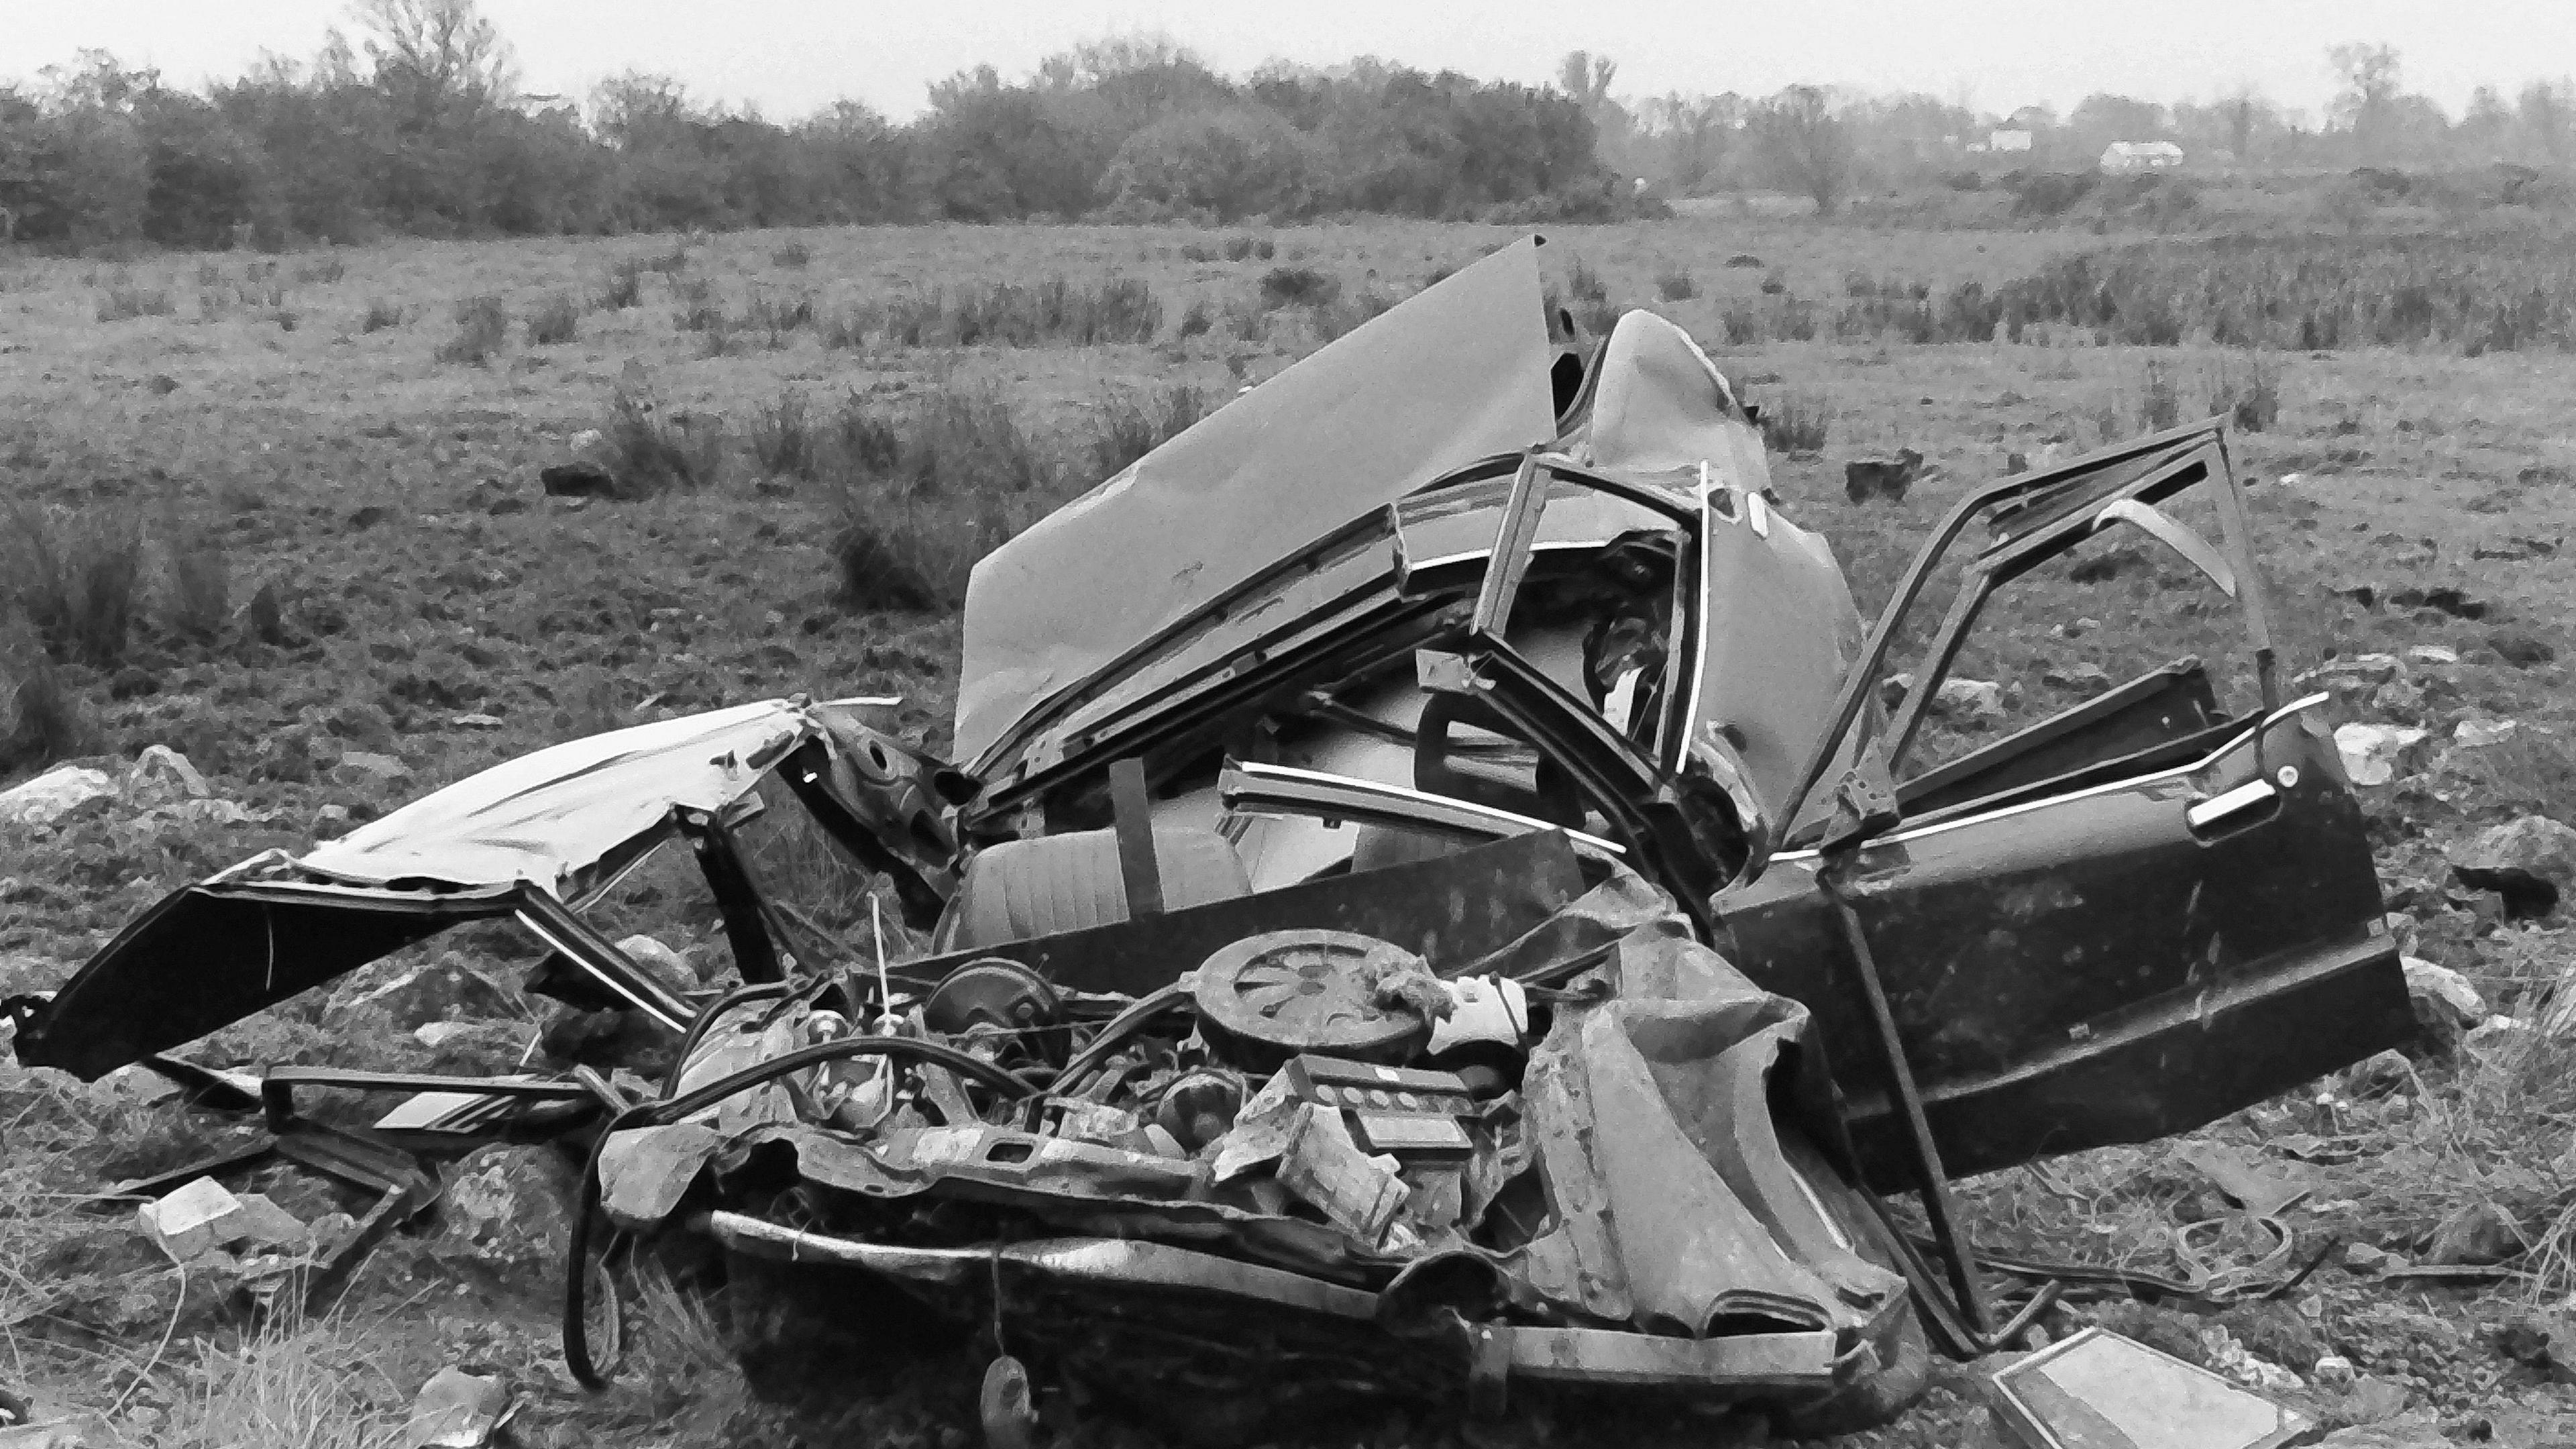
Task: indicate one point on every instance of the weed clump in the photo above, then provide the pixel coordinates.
(782, 442)
(124, 303)
(482, 326)
(76, 579)
(625, 287)
(381, 314)
(1298, 287)
(896, 550)
(1794, 426)
(649, 455)
(554, 322)
(45, 722)
(200, 582)
(1675, 285)
(1131, 425)
(795, 256)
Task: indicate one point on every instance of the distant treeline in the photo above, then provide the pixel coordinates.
(419, 130)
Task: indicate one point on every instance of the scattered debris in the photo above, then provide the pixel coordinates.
(2099, 1388)
(2530, 862)
(2374, 754)
(458, 1410)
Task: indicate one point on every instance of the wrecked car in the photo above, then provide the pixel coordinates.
(1475, 912)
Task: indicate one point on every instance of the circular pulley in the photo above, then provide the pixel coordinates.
(1266, 998)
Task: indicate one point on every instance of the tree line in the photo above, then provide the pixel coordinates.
(418, 126)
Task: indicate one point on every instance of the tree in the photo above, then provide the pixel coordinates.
(2544, 110)
(1585, 78)
(1804, 146)
(2371, 85)
(1694, 134)
(438, 61)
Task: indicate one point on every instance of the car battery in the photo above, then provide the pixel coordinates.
(1418, 1117)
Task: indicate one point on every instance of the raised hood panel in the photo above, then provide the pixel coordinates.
(1457, 373)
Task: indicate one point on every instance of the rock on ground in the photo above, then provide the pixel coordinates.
(2531, 862)
(508, 1207)
(53, 795)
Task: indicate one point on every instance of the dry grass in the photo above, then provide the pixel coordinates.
(927, 449)
(77, 578)
(482, 327)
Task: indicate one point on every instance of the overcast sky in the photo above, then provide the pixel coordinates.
(789, 57)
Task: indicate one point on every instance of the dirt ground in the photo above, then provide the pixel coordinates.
(432, 605)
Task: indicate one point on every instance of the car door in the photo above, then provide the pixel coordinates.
(2118, 923)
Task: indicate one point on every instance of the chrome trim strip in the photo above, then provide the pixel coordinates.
(2007, 812)
(1318, 792)
(2218, 807)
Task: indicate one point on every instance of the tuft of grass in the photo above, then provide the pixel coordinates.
(899, 549)
(1198, 319)
(2161, 405)
(125, 302)
(670, 263)
(847, 328)
(777, 317)
(1130, 425)
(782, 441)
(1795, 426)
(624, 288)
(381, 314)
(1298, 287)
(554, 322)
(2251, 400)
(45, 721)
(200, 584)
(322, 272)
(76, 579)
(482, 326)
(795, 256)
(650, 455)
(1674, 284)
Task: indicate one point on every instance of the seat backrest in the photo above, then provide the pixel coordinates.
(1021, 889)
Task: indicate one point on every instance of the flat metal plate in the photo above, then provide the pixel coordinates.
(2098, 1390)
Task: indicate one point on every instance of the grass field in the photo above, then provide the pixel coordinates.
(324, 467)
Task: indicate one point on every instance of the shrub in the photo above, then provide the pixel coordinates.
(670, 263)
(1244, 248)
(45, 721)
(625, 287)
(1130, 425)
(781, 441)
(699, 309)
(482, 326)
(794, 255)
(650, 455)
(75, 579)
(861, 443)
(125, 303)
(970, 440)
(1675, 285)
(2161, 407)
(381, 314)
(1793, 426)
(554, 323)
(1053, 311)
(898, 550)
(1197, 320)
(778, 318)
(200, 579)
(848, 328)
(1298, 287)
(322, 272)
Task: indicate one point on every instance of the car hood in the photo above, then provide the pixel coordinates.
(559, 825)
(1454, 374)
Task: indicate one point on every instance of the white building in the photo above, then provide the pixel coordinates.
(2141, 156)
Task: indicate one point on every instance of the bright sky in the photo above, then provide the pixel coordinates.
(789, 57)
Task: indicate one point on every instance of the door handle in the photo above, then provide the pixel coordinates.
(2207, 815)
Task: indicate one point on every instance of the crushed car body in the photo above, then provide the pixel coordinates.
(1473, 914)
